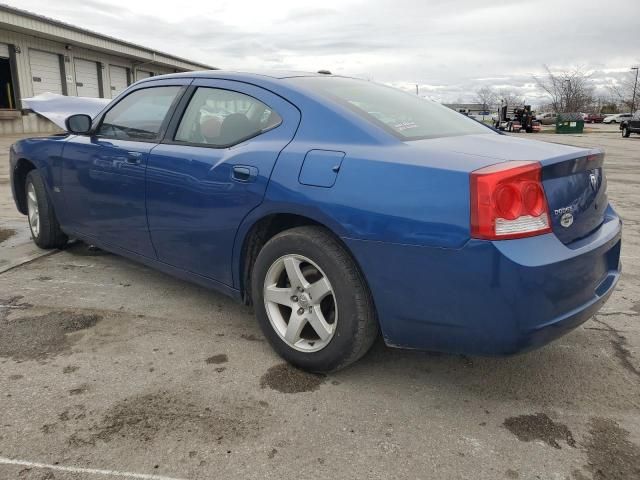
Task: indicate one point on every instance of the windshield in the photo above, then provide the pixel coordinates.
(406, 116)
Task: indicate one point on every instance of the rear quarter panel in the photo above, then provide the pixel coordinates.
(385, 190)
(381, 193)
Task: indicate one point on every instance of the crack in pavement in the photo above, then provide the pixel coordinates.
(619, 343)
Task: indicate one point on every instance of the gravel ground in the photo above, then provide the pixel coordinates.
(111, 370)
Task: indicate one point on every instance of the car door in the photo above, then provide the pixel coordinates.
(103, 173)
(211, 169)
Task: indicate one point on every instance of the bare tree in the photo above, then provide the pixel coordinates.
(544, 107)
(603, 103)
(623, 90)
(509, 97)
(487, 97)
(567, 91)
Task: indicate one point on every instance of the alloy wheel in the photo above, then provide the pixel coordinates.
(300, 303)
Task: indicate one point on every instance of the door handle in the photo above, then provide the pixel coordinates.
(134, 158)
(244, 173)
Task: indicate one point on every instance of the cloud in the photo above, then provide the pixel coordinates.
(450, 49)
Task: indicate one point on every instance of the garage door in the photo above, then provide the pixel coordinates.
(4, 50)
(87, 78)
(45, 72)
(118, 76)
(140, 74)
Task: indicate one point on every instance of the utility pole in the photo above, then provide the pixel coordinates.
(564, 102)
(635, 85)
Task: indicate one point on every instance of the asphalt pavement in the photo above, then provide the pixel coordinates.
(109, 369)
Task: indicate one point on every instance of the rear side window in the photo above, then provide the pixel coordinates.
(402, 114)
(139, 115)
(220, 118)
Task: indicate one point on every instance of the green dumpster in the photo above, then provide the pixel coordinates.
(569, 123)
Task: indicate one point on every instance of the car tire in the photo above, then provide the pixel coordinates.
(41, 217)
(315, 259)
(625, 132)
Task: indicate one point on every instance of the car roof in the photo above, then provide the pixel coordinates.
(245, 74)
(274, 80)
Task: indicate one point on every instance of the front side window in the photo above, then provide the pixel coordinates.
(220, 118)
(402, 114)
(139, 116)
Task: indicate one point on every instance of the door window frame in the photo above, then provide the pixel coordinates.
(99, 119)
(183, 105)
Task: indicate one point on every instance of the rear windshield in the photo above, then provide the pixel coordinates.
(406, 116)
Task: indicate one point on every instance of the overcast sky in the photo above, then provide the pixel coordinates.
(449, 48)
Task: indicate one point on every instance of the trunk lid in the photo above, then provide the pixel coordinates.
(572, 177)
(576, 190)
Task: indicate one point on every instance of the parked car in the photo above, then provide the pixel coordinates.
(630, 125)
(338, 207)
(547, 118)
(617, 118)
(594, 118)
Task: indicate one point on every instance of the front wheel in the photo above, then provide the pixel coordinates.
(311, 301)
(43, 223)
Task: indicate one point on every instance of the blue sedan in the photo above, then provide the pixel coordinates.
(339, 208)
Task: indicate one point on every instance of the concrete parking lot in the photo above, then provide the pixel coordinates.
(111, 370)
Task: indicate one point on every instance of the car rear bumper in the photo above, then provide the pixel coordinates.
(490, 298)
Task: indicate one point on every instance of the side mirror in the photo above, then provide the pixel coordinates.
(79, 124)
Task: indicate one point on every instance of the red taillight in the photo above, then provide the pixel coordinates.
(508, 201)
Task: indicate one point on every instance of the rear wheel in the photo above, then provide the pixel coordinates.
(43, 223)
(625, 132)
(311, 300)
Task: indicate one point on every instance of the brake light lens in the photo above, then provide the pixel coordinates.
(508, 201)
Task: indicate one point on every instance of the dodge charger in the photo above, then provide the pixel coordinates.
(339, 208)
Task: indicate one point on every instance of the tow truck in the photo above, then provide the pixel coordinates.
(517, 118)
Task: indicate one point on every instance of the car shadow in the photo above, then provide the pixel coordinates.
(577, 368)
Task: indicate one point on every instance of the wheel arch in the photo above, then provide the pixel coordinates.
(262, 228)
(22, 168)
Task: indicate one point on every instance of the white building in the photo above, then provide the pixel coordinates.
(38, 54)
